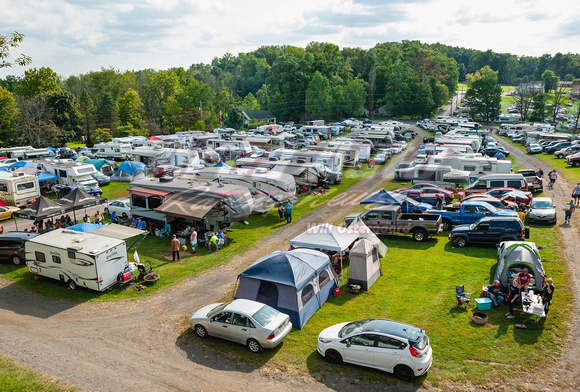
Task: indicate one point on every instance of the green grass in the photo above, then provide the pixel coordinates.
(75, 145)
(115, 190)
(18, 378)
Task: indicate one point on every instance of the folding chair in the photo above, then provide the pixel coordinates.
(166, 231)
(461, 295)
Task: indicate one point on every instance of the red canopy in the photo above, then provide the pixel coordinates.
(154, 138)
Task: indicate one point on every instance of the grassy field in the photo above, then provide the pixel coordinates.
(18, 378)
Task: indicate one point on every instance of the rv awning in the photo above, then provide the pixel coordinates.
(188, 206)
(118, 231)
(148, 192)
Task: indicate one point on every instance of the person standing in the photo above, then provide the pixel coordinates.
(576, 193)
(288, 209)
(547, 295)
(193, 240)
(175, 247)
(439, 203)
(280, 212)
(568, 210)
(540, 173)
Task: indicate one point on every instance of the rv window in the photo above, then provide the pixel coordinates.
(487, 168)
(24, 186)
(85, 170)
(469, 168)
(40, 257)
(71, 255)
(514, 184)
(139, 201)
(307, 294)
(323, 279)
(154, 202)
(62, 173)
(56, 259)
(496, 184)
(3, 187)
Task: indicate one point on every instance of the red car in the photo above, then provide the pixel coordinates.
(163, 170)
(501, 192)
(489, 198)
(429, 189)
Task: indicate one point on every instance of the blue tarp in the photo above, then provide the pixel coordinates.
(384, 197)
(295, 282)
(85, 227)
(21, 164)
(3, 169)
(129, 171)
(52, 149)
(222, 164)
(46, 177)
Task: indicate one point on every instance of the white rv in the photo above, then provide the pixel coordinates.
(77, 259)
(27, 152)
(112, 150)
(332, 160)
(71, 173)
(18, 189)
(241, 145)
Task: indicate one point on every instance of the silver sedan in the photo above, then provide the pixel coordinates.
(542, 209)
(243, 321)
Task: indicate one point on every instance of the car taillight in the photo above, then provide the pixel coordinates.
(414, 352)
(271, 336)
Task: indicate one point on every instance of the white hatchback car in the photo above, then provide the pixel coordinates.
(122, 208)
(243, 321)
(378, 343)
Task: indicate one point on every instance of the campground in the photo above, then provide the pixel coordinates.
(149, 338)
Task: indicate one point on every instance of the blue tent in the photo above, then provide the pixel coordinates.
(296, 282)
(52, 149)
(85, 227)
(384, 197)
(129, 171)
(3, 169)
(42, 176)
(222, 164)
(98, 163)
(19, 164)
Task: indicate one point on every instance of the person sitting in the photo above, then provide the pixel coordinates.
(523, 280)
(87, 218)
(495, 293)
(141, 224)
(114, 217)
(213, 242)
(135, 222)
(58, 224)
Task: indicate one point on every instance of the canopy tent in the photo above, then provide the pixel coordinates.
(42, 208)
(118, 231)
(26, 170)
(296, 282)
(222, 164)
(384, 197)
(3, 169)
(42, 177)
(81, 158)
(129, 171)
(85, 227)
(19, 164)
(365, 266)
(99, 163)
(78, 199)
(515, 257)
(365, 232)
(154, 138)
(52, 149)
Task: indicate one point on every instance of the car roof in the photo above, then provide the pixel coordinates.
(18, 235)
(394, 328)
(244, 305)
(542, 199)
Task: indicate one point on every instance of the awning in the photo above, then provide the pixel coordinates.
(188, 206)
(148, 192)
(118, 231)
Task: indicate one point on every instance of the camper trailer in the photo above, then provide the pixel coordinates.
(312, 174)
(27, 153)
(77, 259)
(18, 189)
(112, 150)
(332, 160)
(71, 173)
(242, 146)
(354, 151)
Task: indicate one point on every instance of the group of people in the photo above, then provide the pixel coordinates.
(42, 226)
(97, 218)
(138, 223)
(285, 212)
(519, 285)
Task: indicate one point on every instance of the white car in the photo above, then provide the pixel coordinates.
(243, 321)
(380, 344)
(122, 208)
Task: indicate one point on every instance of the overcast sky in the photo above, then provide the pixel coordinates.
(77, 36)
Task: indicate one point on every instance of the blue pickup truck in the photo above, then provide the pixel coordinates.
(469, 211)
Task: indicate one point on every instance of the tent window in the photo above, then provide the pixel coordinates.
(323, 279)
(307, 294)
(268, 294)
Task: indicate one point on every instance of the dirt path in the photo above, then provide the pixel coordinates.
(135, 345)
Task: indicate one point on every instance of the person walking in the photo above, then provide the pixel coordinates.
(568, 210)
(540, 173)
(576, 193)
(553, 177)
(175, 247)
(288, 208)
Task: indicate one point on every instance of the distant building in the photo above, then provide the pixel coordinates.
(533, 88)
(575, 93)
(565, 84)
(259, 115)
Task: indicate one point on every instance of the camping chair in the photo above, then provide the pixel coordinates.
(461, 295)
(166, 231)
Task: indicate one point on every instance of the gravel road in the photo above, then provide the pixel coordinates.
(139, 344)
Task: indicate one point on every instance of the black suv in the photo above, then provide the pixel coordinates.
(12, 246)
(490, 230)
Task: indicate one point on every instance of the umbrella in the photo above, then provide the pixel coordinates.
(154, 138)
(42, 208)
(78, 199)
(384, 197)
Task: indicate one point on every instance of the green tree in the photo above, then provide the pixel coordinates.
(355, 95)
(64, 115)
(483, 94)
(8, 115)
(38, 81)
(250, 103)
(130, 108)
(234, 118)
(108, 114)
(538, 113)
(10, 42)
(318, 96)
(524, 103)
(550, 80)
(87, 109)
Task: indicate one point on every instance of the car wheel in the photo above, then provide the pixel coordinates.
(124, 215)
(99, 194)
(107, 211)
(333, 356)
(201, 331)
(446, 225)
(17, 260)
(461, 242)
(576, 163)
(560, 156)
(254, 345)
(419, 235)
(72, 284)
(404, 373)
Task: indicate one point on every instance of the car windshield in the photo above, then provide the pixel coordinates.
(542, 204)
(265, 315)
(352, 328)
(217, 309)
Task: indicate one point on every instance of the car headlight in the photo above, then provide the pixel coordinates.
(324, 340)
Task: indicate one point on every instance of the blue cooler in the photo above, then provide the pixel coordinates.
(483, 303)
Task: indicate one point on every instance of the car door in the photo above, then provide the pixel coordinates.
(239, 329)
(371, 219)
(358, 350)
(480, 233)
(469, 216)
(387, 222)
(219, 325)
(388, 352)
(496, 231)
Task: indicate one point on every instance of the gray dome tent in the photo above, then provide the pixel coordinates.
(365, 266)
(513, 257)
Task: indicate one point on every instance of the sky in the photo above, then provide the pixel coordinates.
(74, 37)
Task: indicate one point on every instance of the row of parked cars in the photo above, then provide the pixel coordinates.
(560, 149)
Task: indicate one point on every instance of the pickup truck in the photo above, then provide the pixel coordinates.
(573, 160)
(470, 211)
(390, 219)
(490, 230)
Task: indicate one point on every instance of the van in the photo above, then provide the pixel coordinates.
(491, 181)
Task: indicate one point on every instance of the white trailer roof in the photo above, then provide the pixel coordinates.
(87, 243)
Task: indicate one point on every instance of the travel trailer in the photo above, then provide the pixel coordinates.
(71, 173)
(78, 259)
(242, 145)
(27, 153)
(304, 173)
(17, 189)
(112, 150)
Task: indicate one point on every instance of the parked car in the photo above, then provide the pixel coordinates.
(122, 208)
(163, 170)
(12, 246)
(573, 160)
(564, 152)
(426, 196)
(101, 178)
(381, 344)
(534, 148)
(381, 159)
(429, 187)
(491, 151)
(7, 211)
(534, 182)
(556, 147)
(501, 193)
(469, 211)
(63, 190)
(490, 230)
(243, 321)
(543, 210)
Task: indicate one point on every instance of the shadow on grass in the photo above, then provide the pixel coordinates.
(400, 241)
